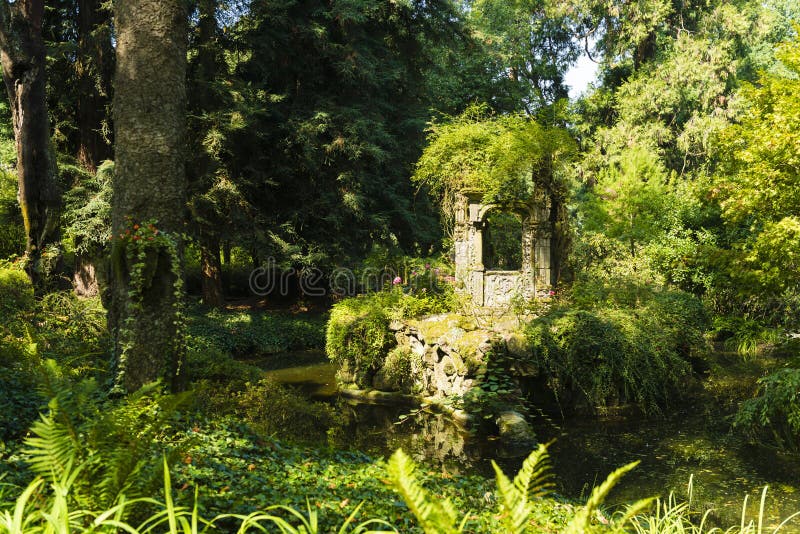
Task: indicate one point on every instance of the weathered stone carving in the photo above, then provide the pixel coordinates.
(496, 289)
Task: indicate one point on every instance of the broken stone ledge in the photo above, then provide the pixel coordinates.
(448, 353)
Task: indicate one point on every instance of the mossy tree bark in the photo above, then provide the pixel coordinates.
(149, 185)
(23, 57)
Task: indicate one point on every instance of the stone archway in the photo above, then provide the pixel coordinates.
(496, 288)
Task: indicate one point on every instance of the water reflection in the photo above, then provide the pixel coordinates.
(428, 438)
(584, 451)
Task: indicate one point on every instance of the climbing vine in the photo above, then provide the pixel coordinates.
(139, 248)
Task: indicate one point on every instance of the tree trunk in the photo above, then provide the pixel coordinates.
(211, 270)
(94, 68)
(226, 253)
(149, 187)
(22, 54)
(84, 281)
(202, 72)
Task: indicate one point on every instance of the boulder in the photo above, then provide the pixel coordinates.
(514, 429)
(383, 381)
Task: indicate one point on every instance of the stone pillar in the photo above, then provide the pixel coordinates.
(528, 274)
(542, 257)
(461, 241)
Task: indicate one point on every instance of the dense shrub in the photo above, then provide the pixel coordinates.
(19, 402)
(16, 291)
(358, 336)
(72, 330)
(617, 347)
(215, 366)
(678, 315)
(773, 416)
(12, 231)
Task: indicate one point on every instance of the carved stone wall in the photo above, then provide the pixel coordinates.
(496, 289)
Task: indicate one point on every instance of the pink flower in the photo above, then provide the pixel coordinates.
(551, 293)
(427, 266)
(397, 280)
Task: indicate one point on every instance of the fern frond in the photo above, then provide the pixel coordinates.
(514, 507)
(534, 478)
(581, 521)
(116, 472)
(434, 516)
(52, 448)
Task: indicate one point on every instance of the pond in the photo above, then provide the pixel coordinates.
(584, 450)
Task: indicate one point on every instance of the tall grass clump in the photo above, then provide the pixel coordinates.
(671, 516)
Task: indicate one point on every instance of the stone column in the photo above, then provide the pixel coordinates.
(542, 257)
(461, 241)
(527, 277)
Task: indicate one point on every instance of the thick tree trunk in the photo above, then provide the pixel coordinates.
(94, 68)
(149, 186)
(211, 270)
(22, 54)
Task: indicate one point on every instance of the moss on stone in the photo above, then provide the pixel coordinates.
(435, 327)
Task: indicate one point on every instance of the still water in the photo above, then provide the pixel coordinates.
(583, 451)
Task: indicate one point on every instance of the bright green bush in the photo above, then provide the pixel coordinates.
(12, 233)
(20, 401)
(359, 338)
(773, 416)
(16, 291)
(627, 346)
(358, 335)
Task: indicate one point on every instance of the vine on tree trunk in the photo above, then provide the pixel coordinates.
(137, 252)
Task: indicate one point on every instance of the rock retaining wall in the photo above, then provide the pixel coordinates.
(442, 356)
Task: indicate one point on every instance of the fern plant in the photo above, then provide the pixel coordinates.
(115, 441)
(582, 520)
(435, 516)
(39, 510)
(533, 480)
(438, 516)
